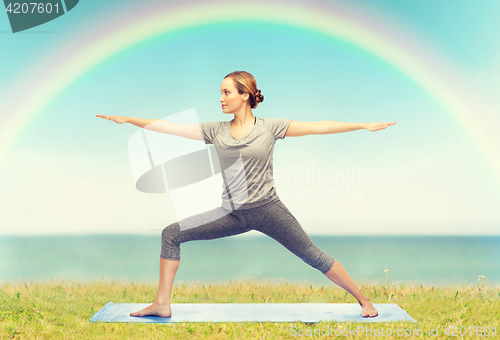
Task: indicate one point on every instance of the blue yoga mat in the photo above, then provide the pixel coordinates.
(253, 312)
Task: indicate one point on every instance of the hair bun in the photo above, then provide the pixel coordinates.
(259, 98)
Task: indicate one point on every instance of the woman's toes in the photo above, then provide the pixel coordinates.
(370, 314)
(139, 313)
(368, 310)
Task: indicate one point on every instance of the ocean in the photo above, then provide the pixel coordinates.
(429, 260)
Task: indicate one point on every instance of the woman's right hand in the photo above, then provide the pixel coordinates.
(116, 119)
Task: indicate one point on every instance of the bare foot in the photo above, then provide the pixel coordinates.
(155, 309)
(368, 310)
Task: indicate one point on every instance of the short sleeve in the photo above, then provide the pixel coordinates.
(209, 130)
(277, 126)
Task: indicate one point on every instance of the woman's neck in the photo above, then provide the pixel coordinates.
(244, 118)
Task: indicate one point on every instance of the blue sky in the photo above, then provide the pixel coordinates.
(69, 172)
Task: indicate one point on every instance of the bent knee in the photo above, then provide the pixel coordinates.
(319, 260)
(170, 232)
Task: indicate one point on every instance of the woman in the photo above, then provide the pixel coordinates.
(249, 201)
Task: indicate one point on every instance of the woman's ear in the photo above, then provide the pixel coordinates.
(246, 96)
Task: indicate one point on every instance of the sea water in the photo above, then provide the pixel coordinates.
(430, 260)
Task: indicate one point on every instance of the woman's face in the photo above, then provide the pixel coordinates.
(230, 99)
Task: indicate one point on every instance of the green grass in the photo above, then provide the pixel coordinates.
(62, 309)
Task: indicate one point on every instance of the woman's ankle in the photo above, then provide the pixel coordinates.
(364, 300)
(162, 302)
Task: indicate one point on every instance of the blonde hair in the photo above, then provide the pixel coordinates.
(245, 83)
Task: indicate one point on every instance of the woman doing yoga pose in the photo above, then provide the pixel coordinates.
(245, 147)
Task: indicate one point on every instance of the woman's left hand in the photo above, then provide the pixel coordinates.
(377, 126)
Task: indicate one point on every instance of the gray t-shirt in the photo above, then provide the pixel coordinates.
(246, 163)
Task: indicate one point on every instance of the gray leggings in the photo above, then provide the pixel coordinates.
(272, 219)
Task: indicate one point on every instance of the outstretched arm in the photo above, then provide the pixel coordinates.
(191, 131)
(323, 127)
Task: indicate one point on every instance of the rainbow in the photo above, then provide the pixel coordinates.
(142, 24)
